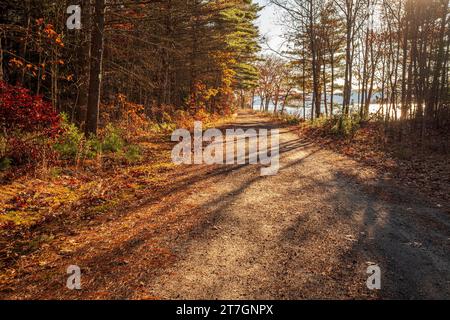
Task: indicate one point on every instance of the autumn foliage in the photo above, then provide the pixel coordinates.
(22, 111)
(27, 123)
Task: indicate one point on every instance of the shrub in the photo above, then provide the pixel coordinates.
(201, 115)
(21, 111)
(183, 119)
(112, 141)
(133, 153)
(291, 119)
(28, 125)
(131, 119)
(70, 143)
(93, 147)
(73, 145)
(347, 126)
(30, 150)
(320, 122)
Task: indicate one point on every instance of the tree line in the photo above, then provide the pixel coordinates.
(171, 54)
(394, 52)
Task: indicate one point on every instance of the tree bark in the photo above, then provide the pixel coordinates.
(1, 59)
(96, 61)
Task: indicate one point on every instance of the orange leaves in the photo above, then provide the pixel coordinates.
(129, 117)
(21, 64)
(59, 42)
(201, 95)
(49, 31)
(16, 62)
(44, 50)
(38, 69)
(53, 35)
(121, 98)
(226, 62)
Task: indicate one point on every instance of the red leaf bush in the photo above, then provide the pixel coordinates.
(28, 123)
(20, 110)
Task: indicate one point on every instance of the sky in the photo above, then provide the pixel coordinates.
(269, 25)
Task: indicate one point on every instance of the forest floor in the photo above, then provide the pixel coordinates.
(226, 232)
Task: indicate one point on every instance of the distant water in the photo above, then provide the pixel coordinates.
(300, 111)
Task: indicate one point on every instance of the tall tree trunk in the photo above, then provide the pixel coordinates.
(434, 92)
(195, 45)
(325, 89)
(332, 83)
(365, 79)
(166, 56)
(285, 98)
(348, 71)
(277, 97)
(1, 58)
(404, 107)
(253, 99)
(268, 98)
(96, 61)
(315, 64)
(304, 88)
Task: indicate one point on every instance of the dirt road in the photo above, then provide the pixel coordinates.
(226, 232)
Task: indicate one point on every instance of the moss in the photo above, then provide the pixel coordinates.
(5, 164)
(55, 172)
(26, 204)
(20, 218)
(103, 208)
